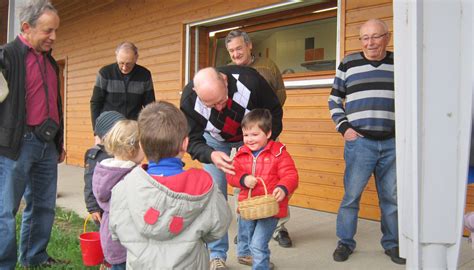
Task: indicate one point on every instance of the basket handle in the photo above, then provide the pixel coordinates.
(86, 220)
(264, 187)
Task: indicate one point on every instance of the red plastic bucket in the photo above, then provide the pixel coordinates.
(91, 248)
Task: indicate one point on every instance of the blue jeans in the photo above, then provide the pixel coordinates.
(254, 235)
(219, 247)
(34, 177)
(364, 157)
(121, 266)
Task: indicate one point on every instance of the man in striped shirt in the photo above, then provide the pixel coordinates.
(362, 106)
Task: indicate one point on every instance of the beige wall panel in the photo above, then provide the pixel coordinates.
(311, 125)
(316, 151)
(363, 14)
(356, 4)
(334, 193)
(306, 112)
(317, 97)
(328, 179)
(312, 138)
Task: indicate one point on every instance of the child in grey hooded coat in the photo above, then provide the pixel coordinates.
(161, 213)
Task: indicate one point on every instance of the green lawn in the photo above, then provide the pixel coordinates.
(64, 243)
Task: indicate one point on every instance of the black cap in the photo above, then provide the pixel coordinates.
(106, 121)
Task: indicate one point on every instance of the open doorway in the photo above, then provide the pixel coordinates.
(62, 83)
(3, 21)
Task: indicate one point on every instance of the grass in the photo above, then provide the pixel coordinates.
(64, 242)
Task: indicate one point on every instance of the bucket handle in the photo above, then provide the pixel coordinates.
(86, 220)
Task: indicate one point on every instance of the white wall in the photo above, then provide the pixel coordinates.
(286, 47)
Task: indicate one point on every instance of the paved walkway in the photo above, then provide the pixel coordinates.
(313, 235)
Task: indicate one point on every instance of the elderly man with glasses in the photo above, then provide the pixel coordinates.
(124, 86)
(362, 107)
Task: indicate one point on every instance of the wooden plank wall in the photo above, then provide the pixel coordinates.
(309, 132)
(87, 42)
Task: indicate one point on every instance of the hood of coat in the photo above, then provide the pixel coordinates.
(107, 174)
(160, 213)
(275, 148)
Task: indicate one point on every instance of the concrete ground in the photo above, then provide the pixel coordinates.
(313, 234)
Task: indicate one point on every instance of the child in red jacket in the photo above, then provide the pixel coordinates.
(261, 158)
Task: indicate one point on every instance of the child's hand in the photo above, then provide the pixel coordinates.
(250, 181)
(279, 194)
(96, 217)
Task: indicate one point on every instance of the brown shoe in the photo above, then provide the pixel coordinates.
(245, 260)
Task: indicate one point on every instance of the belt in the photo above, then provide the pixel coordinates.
(30, 128)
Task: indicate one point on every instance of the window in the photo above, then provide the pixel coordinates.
(302, 41)
(300, 48)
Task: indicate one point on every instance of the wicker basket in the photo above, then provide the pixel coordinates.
(258, 207)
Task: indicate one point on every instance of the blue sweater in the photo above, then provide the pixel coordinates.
(362, 96)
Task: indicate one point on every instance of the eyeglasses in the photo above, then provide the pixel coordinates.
(374, 37)
(218, 105)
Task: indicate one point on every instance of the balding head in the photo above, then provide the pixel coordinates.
(211, 88)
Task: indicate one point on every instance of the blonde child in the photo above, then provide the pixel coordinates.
(122, 143)
(164, 215)
(95, 155)
(261, 158)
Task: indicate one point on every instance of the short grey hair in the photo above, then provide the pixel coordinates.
(126, 45)
(31, 12)
(376, 21)
(237, 33)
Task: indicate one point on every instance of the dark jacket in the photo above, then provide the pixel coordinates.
(247, 90)
(93, 156)
(113, 93)
(13, 108)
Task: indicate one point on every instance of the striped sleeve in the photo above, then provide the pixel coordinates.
(336, 100)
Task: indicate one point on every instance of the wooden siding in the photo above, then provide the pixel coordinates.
(317, 150)
(88, 42)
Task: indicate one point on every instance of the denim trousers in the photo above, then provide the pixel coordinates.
(256, 234)
(280, 226)
(121, 266)
(32, 176)
(219, 248)
(364, 157)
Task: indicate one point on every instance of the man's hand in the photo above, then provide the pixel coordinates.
(223, 162)
(62, 156)
(351, 135)
(96, 216)
(250, 181)
(279, 194)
